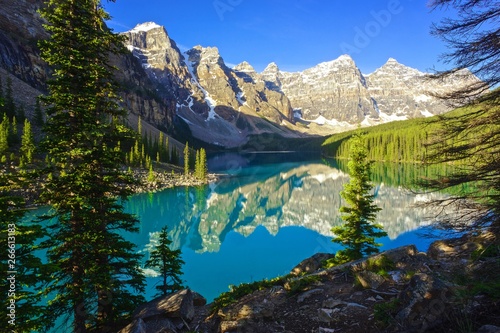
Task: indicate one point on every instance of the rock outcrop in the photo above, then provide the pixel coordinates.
(20, 30)
(400, 290)
(171, 313)
(333, 90)
(222, 106)
(401, 92)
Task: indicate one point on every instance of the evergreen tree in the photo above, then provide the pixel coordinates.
(197, 170)
(186, 159)
(358, 233)
(9, 105)
(161, 153)
(137, 153)
(472, 139)
(4, 135)
(13, 137)
(151, 174)
(38, 117)
(27, 144)
(24, 272)
(143, 156)
(203, 164)
(168, 262)
(97, 277)
(2, 101)
(20, 114)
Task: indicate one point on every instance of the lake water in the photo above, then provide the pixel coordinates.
(266, 214)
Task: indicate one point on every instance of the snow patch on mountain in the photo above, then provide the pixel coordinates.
(392, 117)
(212, 103)
(145, 27)
(240, 97)
(330, 122)
(422, 98)
(426, 113)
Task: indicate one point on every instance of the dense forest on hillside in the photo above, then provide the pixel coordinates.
(21, 132)
(399, 141)
(426, 156)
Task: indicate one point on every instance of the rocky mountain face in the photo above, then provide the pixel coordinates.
(222, 106)
(20, 29)
(336, 93)
(333, 90)
(401, 92)
(194, 94)
(225, 106)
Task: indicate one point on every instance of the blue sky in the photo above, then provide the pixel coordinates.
(296, 34)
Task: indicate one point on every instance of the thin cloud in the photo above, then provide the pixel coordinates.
(118, 25)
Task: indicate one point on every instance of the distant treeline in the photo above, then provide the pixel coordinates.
(399, 141)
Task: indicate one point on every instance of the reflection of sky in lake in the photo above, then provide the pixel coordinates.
(262, 221)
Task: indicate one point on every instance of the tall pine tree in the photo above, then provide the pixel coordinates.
(186, 159)
(24, 272)
(9, 105)
(4, 136)
(97, 277)
(358, 233)
(38, 117)
(168, 262)
(27, 144)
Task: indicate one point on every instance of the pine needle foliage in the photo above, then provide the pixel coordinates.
(471, 140)
(168, 262)
(25, 274)
(359, 231)
(97, 283)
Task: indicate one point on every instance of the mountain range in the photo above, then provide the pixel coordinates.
(194, 95)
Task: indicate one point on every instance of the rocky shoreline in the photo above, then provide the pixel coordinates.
(453, 287)
(164, 180)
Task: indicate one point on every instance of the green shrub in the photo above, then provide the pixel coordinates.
(380, 265)
(237, 292)
(296, 285)
(383, 312)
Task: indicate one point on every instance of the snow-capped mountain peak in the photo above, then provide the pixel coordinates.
(272, 68)
(244, 67)
(145, 27)
(227, 105)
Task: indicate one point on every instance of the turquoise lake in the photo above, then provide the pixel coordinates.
(267, 213)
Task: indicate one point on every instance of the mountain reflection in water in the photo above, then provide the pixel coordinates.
(267, 217)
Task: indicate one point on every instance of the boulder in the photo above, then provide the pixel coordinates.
(369, 279)
(137, 326)
(311, 264)
(397, 255)
(425, 301)
(176, 305)
(440, 249)
(198, 299)
(489, 329)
